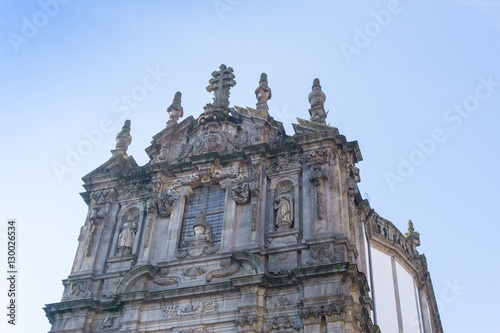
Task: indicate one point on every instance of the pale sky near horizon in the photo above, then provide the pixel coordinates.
(416, 83)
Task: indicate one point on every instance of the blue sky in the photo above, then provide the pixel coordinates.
(391, 81)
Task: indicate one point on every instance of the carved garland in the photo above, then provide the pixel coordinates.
(226, 270)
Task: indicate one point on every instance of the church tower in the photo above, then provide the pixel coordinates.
(235, 226)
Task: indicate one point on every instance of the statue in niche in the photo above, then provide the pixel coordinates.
(126, 237)
(283, 205)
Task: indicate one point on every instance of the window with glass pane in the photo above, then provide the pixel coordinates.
(210, 200)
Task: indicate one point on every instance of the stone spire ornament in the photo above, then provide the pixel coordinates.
(175, 110)
(317, 99)
(263, 93)
(413, 236)
(123, 138)
(220, 83)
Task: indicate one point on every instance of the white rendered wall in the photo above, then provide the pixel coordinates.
(385, 299)
(409, 302)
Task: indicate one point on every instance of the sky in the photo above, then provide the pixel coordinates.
(416, 83)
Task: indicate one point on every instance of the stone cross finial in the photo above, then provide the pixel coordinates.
(317, 99)
(220, 83)
(175, 110)
(123, 138)
(263, 93)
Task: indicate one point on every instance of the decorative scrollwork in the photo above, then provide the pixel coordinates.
(226, 270)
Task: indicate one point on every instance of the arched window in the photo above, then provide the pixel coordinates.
(385, 232)
(209, 200)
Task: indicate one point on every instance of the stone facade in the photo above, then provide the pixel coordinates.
(232, 226)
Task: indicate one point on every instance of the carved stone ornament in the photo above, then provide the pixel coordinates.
(77, 289)
(97, 215)
(103, 196)
(109, 322)
(226, 270)
(245, 320)
(282, 302)
(321, 311)
(167, 203)
(283, 204)
(240, 191)
(194, 272)
(175, 311)
(200, 241)
(175, 110)
(163, 280)
(317, 99)
(282, 323)
(320, 253)
(127, 236)
(263, 93)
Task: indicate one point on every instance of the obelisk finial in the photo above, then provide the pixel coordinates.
(175, 110)
(123, 138)
(317, 99)
(263, 93)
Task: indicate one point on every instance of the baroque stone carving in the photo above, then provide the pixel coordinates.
(226, 270)
(282, 302)
(220, 83)
(282, 323)
(240, 191)
(127, 236)
(317, 99)
(167, 203)
(163, 280)
(320, 252)
(322, 311)
(123, 138)
(245, 320)
(200, 241)
(97, 215)
(283, 204)
(103, 196)
(194, 272)
(77, 288)
(175, 311)
(316, 159)
(109, 322)
(263, 93)
(175, 110)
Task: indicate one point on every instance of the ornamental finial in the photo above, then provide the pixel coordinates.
(123, 138)
(263, 93)
(317, 99)
(175, 110)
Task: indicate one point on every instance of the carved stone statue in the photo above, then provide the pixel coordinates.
(175, 110)
(124, 139)
(317, 99)
(263, 93)
(284, 210)
(126, 237)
